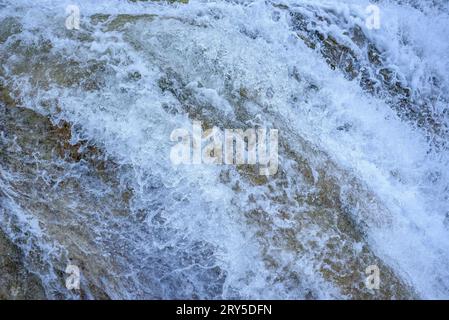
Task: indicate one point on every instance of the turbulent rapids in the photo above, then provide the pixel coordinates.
(86, 179)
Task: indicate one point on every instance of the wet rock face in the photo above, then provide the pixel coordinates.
(309, 199)
(67, 186)
(30, 140)
(361, 60)
(118, 219)
(16, 282)
(10, 26)
(36, 145)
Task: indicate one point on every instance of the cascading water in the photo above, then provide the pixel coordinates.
(85, 171)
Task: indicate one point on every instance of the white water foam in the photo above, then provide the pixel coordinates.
(204, 42)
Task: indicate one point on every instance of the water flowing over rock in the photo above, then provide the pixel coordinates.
(85, 171)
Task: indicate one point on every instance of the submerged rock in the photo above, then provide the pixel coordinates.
(85, 177)
(364, 62)
(16, 281)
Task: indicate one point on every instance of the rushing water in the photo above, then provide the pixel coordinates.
(362, 114)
